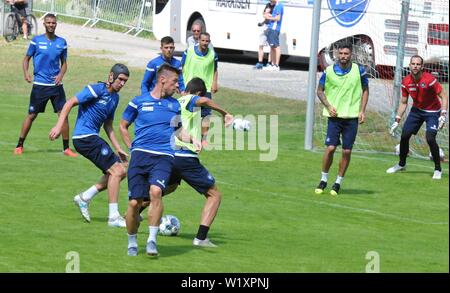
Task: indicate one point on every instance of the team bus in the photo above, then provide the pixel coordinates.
(371, 26)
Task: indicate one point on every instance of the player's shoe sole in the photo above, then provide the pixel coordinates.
(321, 187)
(152, 250)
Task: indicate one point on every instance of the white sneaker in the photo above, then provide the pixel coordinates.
(268, 67)
(117, 222)
(83, 206)
(203, 243)
(437, 174)
(395, 169)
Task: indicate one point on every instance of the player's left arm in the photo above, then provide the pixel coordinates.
(215, 86)
(109, 129)
(444, 105)
(364, 100)
(59, 77)
(205, 102)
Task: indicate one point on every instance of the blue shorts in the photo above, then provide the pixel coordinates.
(417, 117)
(348, 127)
(41, 94)
(97, 150)
(206, 111)
(273, 38)
(146, 169)
(193, 172)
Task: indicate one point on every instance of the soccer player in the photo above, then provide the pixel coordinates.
(186, 164)
(344, 91)
(49, 53)
(166, 57)
(97, 105)
(155, 115)
(201, 61)
(425, 91)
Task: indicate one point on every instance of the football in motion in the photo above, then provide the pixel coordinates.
(169, 226)
(241, 124)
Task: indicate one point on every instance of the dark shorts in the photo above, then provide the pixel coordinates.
(273, 38)
(193, 172)
(417, 117)
(96, 149)
(41, 94)
(146, 169)
(205, 110)
(348, 128)
(22, 10)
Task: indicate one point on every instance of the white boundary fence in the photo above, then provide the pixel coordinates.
(135, 15)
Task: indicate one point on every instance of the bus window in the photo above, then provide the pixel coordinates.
(160, 4)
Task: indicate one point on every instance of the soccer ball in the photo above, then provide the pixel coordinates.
(441, 155)
(241, 124)
(169, 225)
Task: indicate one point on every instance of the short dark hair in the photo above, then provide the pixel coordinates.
(345, 46)
(50, 15)
(166, 68)
(416, 56)
(205, 34)
(196, 85)
(167, 40)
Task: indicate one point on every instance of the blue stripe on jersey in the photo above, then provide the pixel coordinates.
(155, 123)
(47, 55)
(149, 80)
(340, 71)
(277, 10)
(96, 105)
(191, 106)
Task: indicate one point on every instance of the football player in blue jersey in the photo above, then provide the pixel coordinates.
(166, 57)
(49, 53)
(157, 120)
(97, 105)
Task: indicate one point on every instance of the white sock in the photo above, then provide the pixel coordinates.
(132, 240)
(324, 177)
(89, 194)
(153, 231)
(339, 179)
(114, 210)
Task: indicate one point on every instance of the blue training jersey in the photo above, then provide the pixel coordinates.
(341, 71)
(277, 10)
(47, 55)
(149, 80)
(96, 105)
(155, 123)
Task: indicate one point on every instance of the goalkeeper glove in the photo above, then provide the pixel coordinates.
(394, 125)
(442, 119)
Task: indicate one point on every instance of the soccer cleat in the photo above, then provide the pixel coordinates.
(117, 222)
(335, 189)
(132, 251)
(259, 65)
(151, 248)
(18, 150)
(395, 169)
(319, 189)
(203, 243)
(68, 152)
(83, 206)
(437, 174)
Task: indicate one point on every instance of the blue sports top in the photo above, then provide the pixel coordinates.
(339, 71)
(278, 9)
(96, 105)
(155, 123)
(149, 81)
(47, 56)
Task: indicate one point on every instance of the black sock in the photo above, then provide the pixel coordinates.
(202, 232)
(65, 144)
(141, 209)
(20, 143)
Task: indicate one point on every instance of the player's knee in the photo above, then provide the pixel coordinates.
(214, 194)
(347, 152)
(155, 193)
(331, 148)
(117, 170)
(430, 137)
(406, 136)
(134, 204)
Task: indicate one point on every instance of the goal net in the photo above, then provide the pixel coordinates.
(375, 39)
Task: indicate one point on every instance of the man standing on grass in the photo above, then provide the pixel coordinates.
(156, 118)
(344, 91)
(427, 94)
(49, 53)
(97, 105)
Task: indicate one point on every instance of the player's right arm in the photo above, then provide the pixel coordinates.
(56, 130)
(128, 117)
(149, 75)
(324, 101)
(25, 66)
